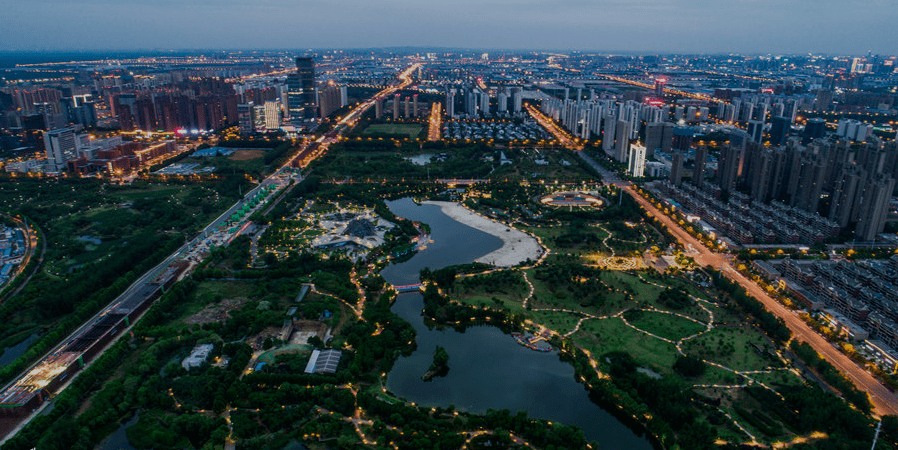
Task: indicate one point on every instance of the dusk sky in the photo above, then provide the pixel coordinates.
(747, 26)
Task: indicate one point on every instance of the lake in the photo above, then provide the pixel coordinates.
(487, 368)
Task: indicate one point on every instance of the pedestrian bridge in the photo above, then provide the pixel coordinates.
(409, 288)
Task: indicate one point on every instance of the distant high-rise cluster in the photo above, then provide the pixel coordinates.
(472, 101)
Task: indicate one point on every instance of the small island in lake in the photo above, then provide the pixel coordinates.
(440, 365)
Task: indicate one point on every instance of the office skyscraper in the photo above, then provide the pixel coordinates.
(246, 118)
(301, 90)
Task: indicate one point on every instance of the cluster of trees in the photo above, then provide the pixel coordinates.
(509, 194)
(809, 408)
(419, 428)
(771, 324)
(440, 309)
(578, 234)
(571, 279)
(77, 279)
(689, 366)
(675, 298)
(81, 297)
(440, 365)
(676, 418)
(831, 375)
(761, 421)
(502, 282)
(384, 159)
(444, 277)
(279, 232)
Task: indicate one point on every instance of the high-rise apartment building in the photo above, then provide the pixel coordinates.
(636, 161)
(396, 100)
(874, 208)
(728, 167)
(658, 136)
(676, 168)
(621, 140)
(272, 115)
(60, 146)
(698, 172)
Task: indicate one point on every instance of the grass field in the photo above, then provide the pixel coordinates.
(609, 335)
(246, 154)
(665, 325)
(151, 192)
(559, 321)
(408, 130)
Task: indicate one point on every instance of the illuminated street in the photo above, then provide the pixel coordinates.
(435, 122)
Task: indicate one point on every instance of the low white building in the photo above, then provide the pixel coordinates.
(197, 356)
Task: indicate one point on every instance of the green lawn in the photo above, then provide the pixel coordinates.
(560, 322)
(609, 335)
(716, 375)
(665, 325)
(410, 130)
(152, 193)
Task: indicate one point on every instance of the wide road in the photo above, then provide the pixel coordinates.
(562, 136)
(321, 144)
(884, 401)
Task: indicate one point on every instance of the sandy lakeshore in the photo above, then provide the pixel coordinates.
(517, 246)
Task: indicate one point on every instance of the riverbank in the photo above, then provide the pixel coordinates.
(517, 246)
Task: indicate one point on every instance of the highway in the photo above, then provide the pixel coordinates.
(884, 401)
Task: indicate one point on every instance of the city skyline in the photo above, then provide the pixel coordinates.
(763, 26)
